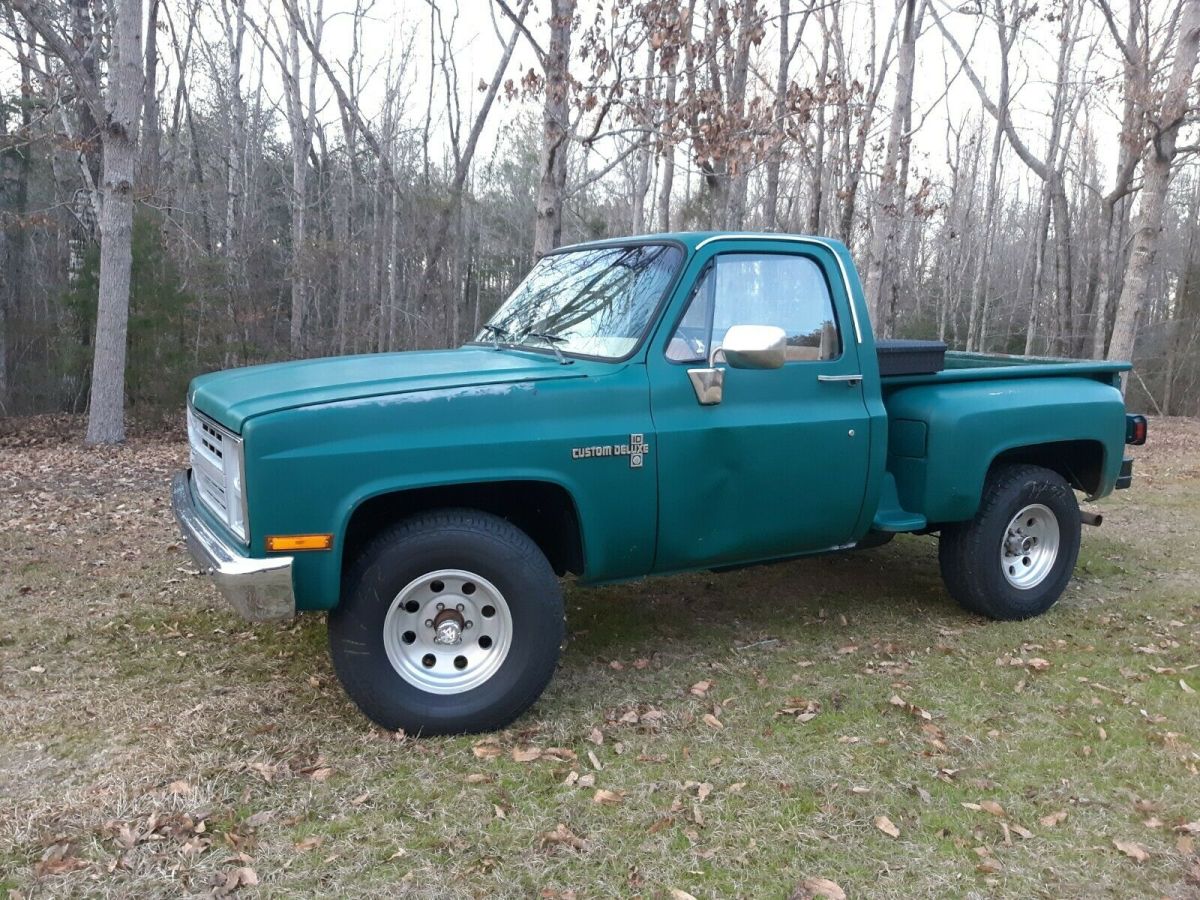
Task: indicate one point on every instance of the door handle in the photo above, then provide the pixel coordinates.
(850, 380)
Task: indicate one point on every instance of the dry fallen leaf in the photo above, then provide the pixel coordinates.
(246, 876)
(1055, 818)
(910, 708)
(1134, 850)
(884, 824)
(812, 888)
(677, 894)
(529, 754)
(1187, 688)
(713, 722)
(179, 787)
(700, 688)
(596, 736)
(1037, 664)
(321, 774)
(992, 807)
(563, 835)
(610, 798)
(309, 843)
(488, 748)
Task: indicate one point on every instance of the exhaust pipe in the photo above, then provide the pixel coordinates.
(1090, 518)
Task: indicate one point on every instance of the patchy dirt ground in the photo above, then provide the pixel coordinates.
(830, 722)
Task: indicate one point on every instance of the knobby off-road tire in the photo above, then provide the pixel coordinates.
(450, 573)
(1015, 558)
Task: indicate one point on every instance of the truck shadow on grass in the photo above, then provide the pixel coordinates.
(782, 602)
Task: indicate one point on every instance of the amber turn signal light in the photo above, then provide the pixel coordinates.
(279, 542)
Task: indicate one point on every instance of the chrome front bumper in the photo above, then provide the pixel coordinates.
(259, 589)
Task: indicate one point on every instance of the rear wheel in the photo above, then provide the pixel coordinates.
(1015, 558)
(450, 622)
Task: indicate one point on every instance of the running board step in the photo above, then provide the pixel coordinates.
(891, 516)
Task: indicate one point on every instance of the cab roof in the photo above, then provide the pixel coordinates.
(691, 240)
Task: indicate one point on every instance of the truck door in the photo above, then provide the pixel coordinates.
(779, 465)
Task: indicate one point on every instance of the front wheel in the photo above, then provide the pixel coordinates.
(450, 622)
(1015, 558)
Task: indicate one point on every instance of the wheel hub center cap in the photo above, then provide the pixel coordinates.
(447, 628)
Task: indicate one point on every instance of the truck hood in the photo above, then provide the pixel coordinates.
(235, 395)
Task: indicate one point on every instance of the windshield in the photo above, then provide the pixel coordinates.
(591, 302)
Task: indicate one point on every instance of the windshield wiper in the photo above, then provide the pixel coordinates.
(498, 333)
(552, 339)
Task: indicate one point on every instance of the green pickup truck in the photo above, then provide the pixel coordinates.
(636, 407)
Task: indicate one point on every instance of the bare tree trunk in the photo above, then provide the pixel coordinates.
(1156, 180)
(980, 285)
(235, 31)
(14, 196)
(889, 205)
(106, 415)
(775, 160)
(749, 21)
(552, 163)
(641, 186)
(151, 130)
(666, 156)
(301, 112)
(817, 170)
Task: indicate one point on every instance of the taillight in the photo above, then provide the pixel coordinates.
(1135, 430)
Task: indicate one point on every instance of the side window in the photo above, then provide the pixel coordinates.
(759, 289)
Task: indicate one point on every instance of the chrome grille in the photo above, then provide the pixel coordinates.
(216, 456)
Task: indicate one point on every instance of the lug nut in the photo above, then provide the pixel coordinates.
(460, 607)
(429, 623)
(441, 606)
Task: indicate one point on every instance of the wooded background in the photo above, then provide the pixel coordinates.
(195, 184)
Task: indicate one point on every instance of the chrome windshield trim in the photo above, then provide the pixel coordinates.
(797, 239)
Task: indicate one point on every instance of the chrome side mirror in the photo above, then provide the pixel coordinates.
(744, 347)
(755, 347)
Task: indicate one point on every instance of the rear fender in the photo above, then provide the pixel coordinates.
(1072, 425)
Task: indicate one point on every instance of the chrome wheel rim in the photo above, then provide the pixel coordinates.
(447, 631)
(1029, 547)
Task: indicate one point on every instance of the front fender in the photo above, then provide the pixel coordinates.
(309, 469)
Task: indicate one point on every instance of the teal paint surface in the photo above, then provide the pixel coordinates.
(771, 472)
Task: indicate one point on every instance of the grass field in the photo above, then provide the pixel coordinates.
(744, 734)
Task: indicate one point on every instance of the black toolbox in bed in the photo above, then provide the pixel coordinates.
(910, 357)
